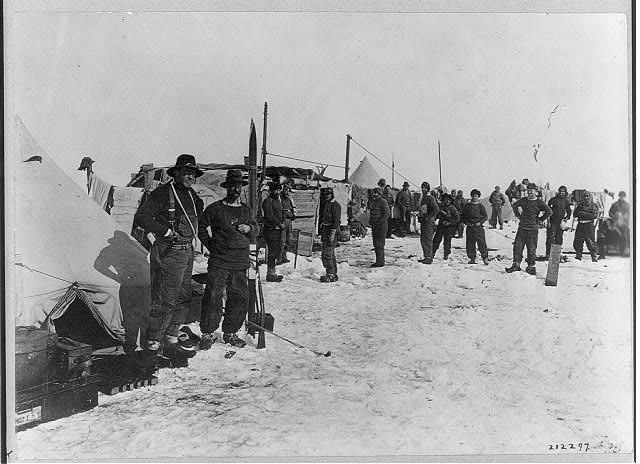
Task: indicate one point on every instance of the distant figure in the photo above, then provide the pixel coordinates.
(620, 220)
(474, 215)
(522, 189)
(388, 197)
(497, 201)
(428, 212)
(403, 202)
(586, 212)
(329, 227)
(272, 229)
(560, 211)
(512, 191)
(530, 223)
(448, 219)
(289, 214)
(453, 193)
(378, 218)
(459, 201)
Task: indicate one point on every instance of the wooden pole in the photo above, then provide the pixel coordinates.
(264, 145)
(439, 164)
(346, 162)
(253, 170)
(393, 170)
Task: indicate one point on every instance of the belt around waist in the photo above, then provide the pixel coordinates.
(586, 222)
(176, 245)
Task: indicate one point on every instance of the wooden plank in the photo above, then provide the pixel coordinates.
(554, 266)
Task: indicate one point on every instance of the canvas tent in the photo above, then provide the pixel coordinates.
(73, 268)
(365, 175)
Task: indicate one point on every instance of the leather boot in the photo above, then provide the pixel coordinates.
(272, 276)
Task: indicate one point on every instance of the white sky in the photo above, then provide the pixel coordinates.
(128, 89)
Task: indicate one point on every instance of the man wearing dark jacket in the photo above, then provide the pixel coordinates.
(403, 202)
(474, 215)
(378, 218)
(171, 215)
(560, 211)
(448, 219)
(429, 210)
(289, 215)
(497, 201)
(232, 228)
(329, 227)
(528, 210)
(586, 212)
(272, 229)
(388, 197)
(459, 201)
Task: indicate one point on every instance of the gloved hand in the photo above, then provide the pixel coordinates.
(332, 235)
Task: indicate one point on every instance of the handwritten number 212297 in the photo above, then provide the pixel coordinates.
(569, 447)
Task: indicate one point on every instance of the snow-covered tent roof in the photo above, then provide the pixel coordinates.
(365, 175)
(70, 261)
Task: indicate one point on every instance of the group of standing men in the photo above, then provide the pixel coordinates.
(175, 215)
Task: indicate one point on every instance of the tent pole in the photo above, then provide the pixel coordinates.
(346, 162)
(264, 145)
(439, 164)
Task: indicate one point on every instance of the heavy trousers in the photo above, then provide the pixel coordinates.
(461, 229)
(273, 237)
(496, 215)
(475, 235)
(235, 309)
(528, 238)
(170, 269)
(285, 241)
(406, 214)
(426, 239)
(554, 236)
(379, 233)
(447, 233)
(585, 233)
(329, 253)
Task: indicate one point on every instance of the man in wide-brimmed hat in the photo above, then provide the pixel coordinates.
(403, 202)
(233, 226)
(171, 215)
(273, 226)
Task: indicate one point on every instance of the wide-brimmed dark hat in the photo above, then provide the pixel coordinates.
(274, 185)
(406, 184)
(475, 192)
(185, 161)
(234, 177)
(446, 196)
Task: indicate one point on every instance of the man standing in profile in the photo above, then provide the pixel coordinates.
(497, 201)
(329, 227)
(171, 214)
(289, 215)
(232, 227)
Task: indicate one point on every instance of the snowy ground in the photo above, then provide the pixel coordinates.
(426, 360)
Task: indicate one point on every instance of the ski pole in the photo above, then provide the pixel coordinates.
(297, 345)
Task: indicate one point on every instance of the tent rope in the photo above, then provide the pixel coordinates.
(43, 273)
(304, 161)
(385, 164)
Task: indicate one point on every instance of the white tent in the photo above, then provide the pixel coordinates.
(365, 175)
(73, 268)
